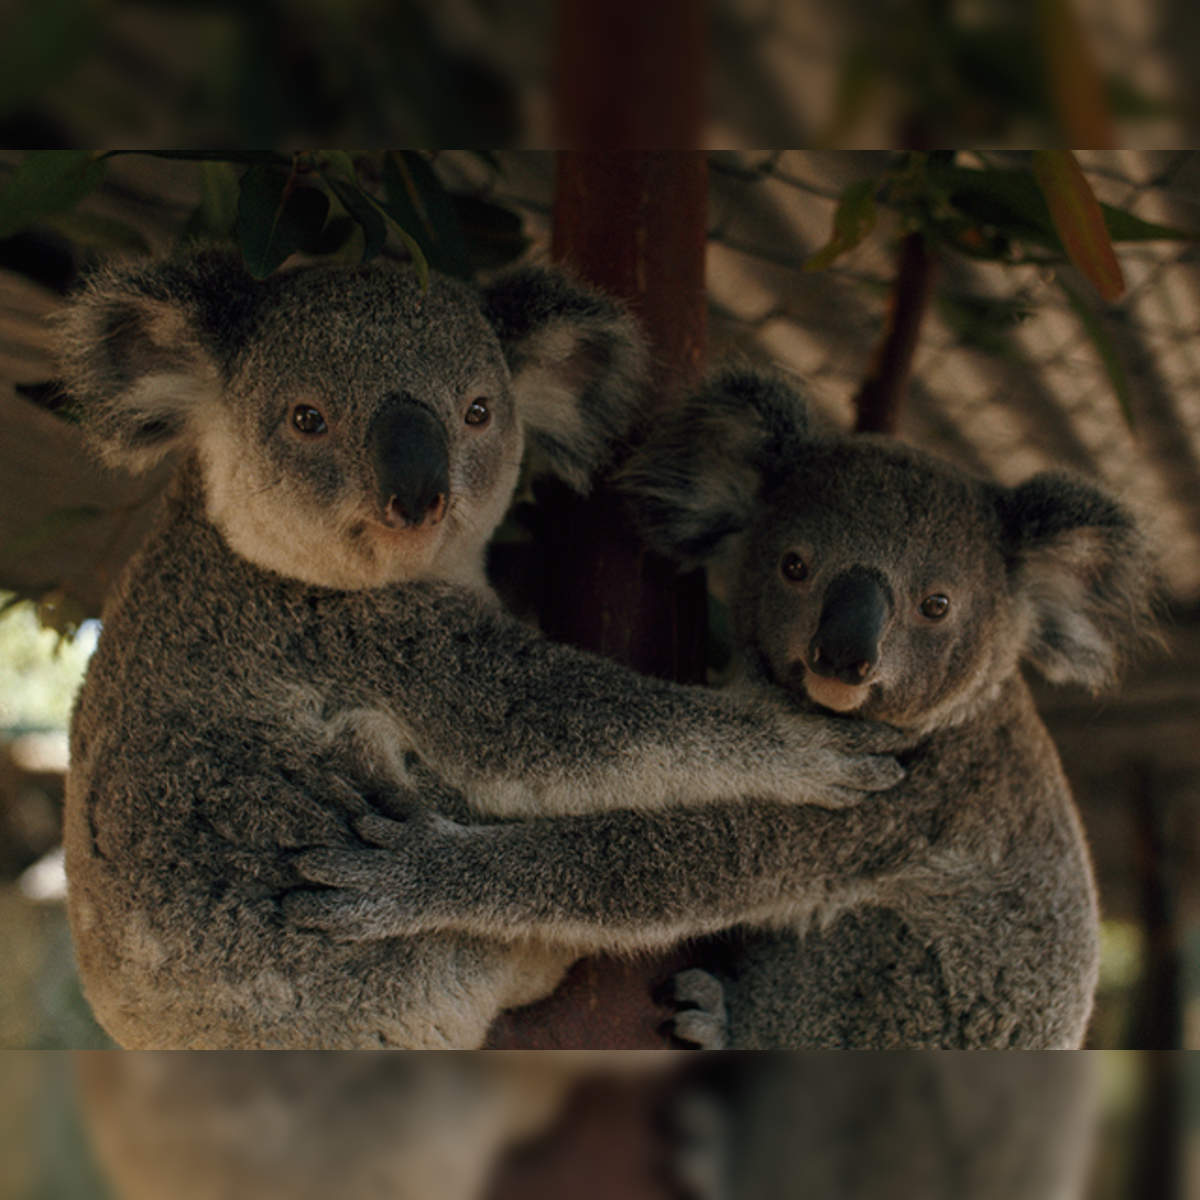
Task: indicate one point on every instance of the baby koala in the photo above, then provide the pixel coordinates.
(872, 580)
(310, 617)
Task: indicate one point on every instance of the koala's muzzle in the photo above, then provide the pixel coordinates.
(411, 456)
(857, 605)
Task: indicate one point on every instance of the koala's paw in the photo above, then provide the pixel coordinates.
(841, 766)
(419, 826)
(700, 1021)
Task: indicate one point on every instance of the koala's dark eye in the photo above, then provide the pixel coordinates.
(308, 420)
(793, 567)
(478, 412)
(935, 607)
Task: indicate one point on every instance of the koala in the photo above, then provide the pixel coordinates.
(873, 581)
(307, 637)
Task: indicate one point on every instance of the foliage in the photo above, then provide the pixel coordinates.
(1045, 213)
(273, 205)
(945, 72)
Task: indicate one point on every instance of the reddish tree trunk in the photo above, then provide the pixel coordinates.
(634, 224)
(631, 74)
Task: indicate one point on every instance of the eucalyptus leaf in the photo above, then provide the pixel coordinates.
(1007, 200)
(853, 219)
(1125, 227)
(418, 203)
(375, 221)
(276, 217)
(1078, 220)
(362, 209)
(1011, 202)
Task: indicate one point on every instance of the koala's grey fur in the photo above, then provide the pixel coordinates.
(310, 618)
(957, 911)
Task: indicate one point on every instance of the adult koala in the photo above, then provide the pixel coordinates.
(875, 581)
(310, 618)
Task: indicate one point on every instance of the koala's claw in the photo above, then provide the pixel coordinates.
(701, 1021)
(389, 834)
(877, 773)
(359, 869)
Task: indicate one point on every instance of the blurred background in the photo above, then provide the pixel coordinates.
(481, 72)
(440, 1126)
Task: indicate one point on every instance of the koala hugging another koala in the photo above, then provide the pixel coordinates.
(306, 647)
(870, 579)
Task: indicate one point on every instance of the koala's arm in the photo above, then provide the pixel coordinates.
(619, 880)
(526, 727)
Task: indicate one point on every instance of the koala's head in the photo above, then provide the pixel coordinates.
(874, 579)
(351, 429)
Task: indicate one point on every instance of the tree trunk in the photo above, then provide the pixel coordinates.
(634, 224)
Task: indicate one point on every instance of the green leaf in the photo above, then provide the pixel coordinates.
(853, 219)
(1125, 227)
(363, 209)
(1093, 326)
(276, 217)
(338, 170)
(1009, 201)
(46, 182)
(1078, 220)
(418, 203)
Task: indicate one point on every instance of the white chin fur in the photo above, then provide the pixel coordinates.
(830, 693)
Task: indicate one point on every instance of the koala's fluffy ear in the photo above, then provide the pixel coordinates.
(142, 349)
(1082, 570)
(579, 367)
(699, 477)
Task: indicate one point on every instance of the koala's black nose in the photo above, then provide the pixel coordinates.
(857, 605)
(411, 456)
